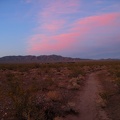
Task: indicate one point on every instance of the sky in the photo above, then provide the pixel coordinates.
(71, 28)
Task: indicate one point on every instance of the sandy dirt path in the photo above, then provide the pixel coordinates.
(86, 101)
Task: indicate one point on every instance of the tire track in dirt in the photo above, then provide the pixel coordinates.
(86, 101)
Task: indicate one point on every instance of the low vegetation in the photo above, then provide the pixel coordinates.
(46, 91)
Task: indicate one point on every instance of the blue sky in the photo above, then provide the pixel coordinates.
(74, 28)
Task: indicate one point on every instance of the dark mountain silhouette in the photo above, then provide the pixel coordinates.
(42, 58)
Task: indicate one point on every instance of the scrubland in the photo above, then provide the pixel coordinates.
(46, 91)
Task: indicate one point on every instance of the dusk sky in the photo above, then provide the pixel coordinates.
(71, 28)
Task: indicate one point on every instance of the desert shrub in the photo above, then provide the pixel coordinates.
(75, 72)
(46, 84)
(49, 81)
(58, 69)
(54, 95)
(104, 95)
(117, 74)
(118, 83)
(10, 76)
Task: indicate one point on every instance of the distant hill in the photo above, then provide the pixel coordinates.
(42, 58)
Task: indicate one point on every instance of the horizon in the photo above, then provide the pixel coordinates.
(60, 56)
(74, 28)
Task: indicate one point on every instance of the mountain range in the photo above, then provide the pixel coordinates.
(41, 58)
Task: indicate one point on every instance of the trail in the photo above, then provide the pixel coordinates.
(86, 101)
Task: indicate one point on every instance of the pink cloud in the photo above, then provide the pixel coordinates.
(88, 24)
(99, 30)
(83, 31)
(59, 42)
(101, 20)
